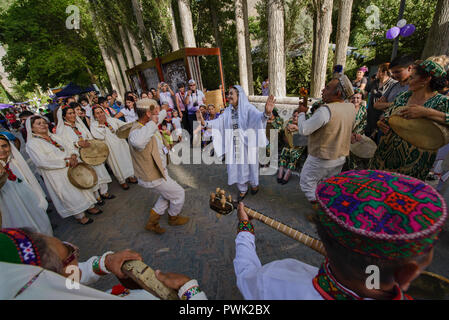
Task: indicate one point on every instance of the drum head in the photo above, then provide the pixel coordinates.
(365, 148)
(96, 154)
(429, 286)
(123, 131)
(83, 176)
(422, 133)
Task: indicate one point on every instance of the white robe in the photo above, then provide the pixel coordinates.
(67, 199)
(23, 204)
(68, 134)
(119, 155)
(251, 135)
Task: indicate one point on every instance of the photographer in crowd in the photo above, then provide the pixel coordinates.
(193, 99)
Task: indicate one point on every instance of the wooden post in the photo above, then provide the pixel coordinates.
(276, 54)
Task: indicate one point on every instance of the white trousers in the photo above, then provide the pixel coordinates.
(243, 187)
(316, 170)
(171, 196)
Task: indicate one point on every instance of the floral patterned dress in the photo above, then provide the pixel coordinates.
(289, 156)
(354, 162)
(397, 155)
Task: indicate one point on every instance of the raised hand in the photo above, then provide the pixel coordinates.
(269, 105)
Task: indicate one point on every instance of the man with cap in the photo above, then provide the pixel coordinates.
(150, 159)
(193, 99)
(25, 252)
(367, 220)
(329, 130)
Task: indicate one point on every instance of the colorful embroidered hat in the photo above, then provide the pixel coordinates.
(381, 214)
(433, 68)
(17, 247)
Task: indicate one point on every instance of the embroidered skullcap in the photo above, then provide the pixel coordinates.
(17, 247)
(433, 68)
(381, 214)
(346, 84)
(146, 103)
(191, 81)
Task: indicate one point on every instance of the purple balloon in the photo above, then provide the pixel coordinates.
(393, 33)
(407, 30)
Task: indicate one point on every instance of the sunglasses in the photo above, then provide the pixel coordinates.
(74, 253)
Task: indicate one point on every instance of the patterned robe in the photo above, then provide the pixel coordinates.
(397, 155)
(354, 162)
(289, 156)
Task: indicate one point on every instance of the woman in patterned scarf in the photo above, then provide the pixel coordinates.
(423, 101)
(354, 162)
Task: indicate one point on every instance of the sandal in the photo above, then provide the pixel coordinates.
(100, 202)
(242, 196)
(124, 186)
(89, 221)
(107, 196)
(96, 213)
(254, 190)
(132, 180)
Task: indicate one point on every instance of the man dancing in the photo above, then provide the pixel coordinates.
(149, 156)
(238, 133)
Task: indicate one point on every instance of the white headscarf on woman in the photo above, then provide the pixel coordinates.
(78, 123)
(252, 128)
(28, 175)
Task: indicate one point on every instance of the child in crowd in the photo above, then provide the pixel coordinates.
(166, 134)
(176, 123)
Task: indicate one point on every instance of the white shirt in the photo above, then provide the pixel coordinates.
(130, 115)
(140, 138)
(88, 110)
(287, 279)
(165, 97)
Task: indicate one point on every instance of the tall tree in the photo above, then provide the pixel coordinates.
(147, 47)
(438, 39)
(343, 32)
(276, 52)
(172, 35)
(321, 35)
(128, 54)
(134, 47)
(186, 24)
(249, 60)
(241, 44)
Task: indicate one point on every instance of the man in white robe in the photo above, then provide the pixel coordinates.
(238, 134)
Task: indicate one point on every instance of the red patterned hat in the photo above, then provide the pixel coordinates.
(381, 214)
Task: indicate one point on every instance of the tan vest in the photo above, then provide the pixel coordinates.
(332, 141)
(147, 163)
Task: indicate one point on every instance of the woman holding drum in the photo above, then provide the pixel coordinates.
(119, 160)
(71, 128)
(422, 101)
(53, 156)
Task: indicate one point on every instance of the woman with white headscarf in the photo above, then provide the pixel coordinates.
(103, 127)
(22, 201)
(71, 128)
(239, 133)
(52, 156)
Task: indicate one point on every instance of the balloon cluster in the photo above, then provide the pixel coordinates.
(402, 28)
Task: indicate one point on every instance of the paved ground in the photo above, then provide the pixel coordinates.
(204, 248)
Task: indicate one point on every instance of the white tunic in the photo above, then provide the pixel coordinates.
(287, 279)
(130, 115)
(21, 206)
(119, 155)
(69, 134)
(67, 199)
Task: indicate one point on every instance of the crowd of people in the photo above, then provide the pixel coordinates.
(387, 189)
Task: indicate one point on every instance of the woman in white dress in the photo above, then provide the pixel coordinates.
(22, 201)
(71, 128)
(129, 111)
(103, 127)
(52, 156)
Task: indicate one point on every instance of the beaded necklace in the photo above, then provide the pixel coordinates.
(75, 129)
(57, 145)
(109, 126)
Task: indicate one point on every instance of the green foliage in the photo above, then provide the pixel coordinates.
(41, 51)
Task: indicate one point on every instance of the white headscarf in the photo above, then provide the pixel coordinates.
(78, 123)
(249, 119)
(28, 175)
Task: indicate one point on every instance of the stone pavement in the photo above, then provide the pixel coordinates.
(203, 249)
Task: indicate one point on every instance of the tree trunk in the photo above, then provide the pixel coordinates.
(118, 76)
(186, 24)
(134, 48)
(241, 45)
(172, 35)
(129, 56)
(122, 64)
(214, 17)
(343, 32)
(147, 49)
(249, 59)
(276, 53)
(438, 39)
(322, 32)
